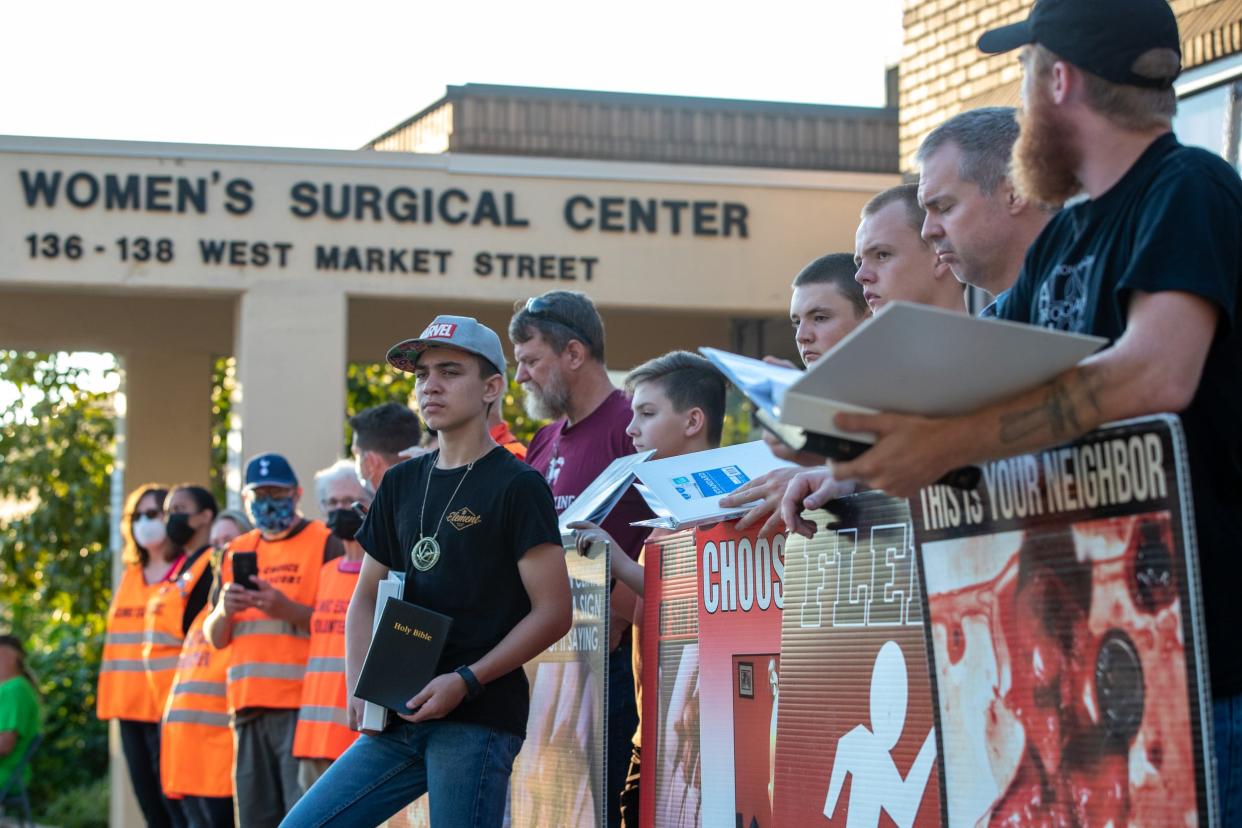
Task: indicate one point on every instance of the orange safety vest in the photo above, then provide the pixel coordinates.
(196, 742)
(123, 689)
(323, 722)
(502, 435)
(162, 638)
(269, 655)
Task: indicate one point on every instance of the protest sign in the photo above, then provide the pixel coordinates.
(1066, 636)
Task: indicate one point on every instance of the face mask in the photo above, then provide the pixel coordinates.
(149, 532)
(273, 515)
(344, 523)
(179, 529)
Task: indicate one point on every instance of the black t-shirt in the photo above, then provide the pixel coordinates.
(1173, 222)
(503, 508)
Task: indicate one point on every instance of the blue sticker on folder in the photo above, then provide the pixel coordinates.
(716, 482)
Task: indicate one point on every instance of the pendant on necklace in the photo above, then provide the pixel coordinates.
(425, 554)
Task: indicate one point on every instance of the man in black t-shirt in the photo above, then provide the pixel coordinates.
(475, 532)
(1151, 260)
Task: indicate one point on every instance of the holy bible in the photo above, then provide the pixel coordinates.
(403, 656)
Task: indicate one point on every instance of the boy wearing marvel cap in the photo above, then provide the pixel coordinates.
(475, 531)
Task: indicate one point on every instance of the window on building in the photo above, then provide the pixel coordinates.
(1208, 108)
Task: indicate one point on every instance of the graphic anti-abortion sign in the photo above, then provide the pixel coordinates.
(672, 771)
(740, 596)
(854, 738)
(1064, 623)
(558, 779)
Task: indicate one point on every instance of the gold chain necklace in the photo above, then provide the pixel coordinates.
(426, 552)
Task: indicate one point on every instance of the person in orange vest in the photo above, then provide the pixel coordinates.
(124, 693)
(323, 731)
(177, 599)
(265, 622)
(381, 434)
(503, 436)
(196, 742)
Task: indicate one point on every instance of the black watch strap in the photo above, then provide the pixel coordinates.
(473, 688)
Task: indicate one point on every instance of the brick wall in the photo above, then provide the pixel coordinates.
(943, 73)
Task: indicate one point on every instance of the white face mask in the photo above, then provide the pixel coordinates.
(149, 532)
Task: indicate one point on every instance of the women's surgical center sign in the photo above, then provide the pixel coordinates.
(197, 213)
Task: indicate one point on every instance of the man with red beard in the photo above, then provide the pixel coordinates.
(1151, 260)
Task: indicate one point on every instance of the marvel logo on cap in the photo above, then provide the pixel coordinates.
(462, 332)
(439, 330)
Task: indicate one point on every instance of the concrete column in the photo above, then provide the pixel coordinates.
(291, 378)
(163, 436)
(167, 436)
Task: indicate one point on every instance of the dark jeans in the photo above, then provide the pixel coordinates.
(630, 793)
(265, 774)
(1227, 730)
(622, 720)
(208, 811)
(140, 743)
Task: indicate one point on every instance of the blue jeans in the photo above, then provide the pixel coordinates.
(463, 768)
(1227, 733)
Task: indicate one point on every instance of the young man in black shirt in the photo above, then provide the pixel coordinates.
(475, 531)
(1151, 260)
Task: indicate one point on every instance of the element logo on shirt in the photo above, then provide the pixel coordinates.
(1063, 297)
(463, 518)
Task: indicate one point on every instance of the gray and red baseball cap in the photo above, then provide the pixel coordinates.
(464, 333)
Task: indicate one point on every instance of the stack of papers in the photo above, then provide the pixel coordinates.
(375, 716)
(686, 490)
(765, 385)
(916, 359)
(605, 491)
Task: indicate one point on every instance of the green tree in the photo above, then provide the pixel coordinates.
(57, 445)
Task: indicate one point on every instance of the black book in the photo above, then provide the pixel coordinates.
(403, 656)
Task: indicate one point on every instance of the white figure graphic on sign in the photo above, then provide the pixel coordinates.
(867, 754)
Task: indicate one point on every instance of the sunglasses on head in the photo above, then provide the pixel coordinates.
(542, 308)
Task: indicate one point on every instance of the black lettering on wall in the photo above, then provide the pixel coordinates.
(82, 189)
(305, 203)
(238, 199)
(40, 186)
(571, 214)
(122, 194)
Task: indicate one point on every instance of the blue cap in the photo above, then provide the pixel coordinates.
(269, 469)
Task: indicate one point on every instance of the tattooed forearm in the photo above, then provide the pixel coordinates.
(1070, 407)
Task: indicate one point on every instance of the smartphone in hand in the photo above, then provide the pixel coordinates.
(245, 569)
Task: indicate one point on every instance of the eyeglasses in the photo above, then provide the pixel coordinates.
(149, 514)
(541, 307)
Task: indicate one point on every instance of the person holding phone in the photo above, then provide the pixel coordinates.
(266, 625)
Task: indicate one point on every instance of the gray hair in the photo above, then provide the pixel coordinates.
(338, 470)
(985, 137)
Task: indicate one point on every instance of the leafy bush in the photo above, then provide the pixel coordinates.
(85, 806)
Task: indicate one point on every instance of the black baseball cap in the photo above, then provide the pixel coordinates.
(1103, 37)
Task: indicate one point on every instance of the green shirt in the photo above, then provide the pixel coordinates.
(19, 711)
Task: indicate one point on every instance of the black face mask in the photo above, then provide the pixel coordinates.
(344, 523)
(178, 528)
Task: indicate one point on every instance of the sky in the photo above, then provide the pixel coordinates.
(335, 75)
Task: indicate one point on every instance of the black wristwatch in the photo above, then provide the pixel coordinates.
(473, 688)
